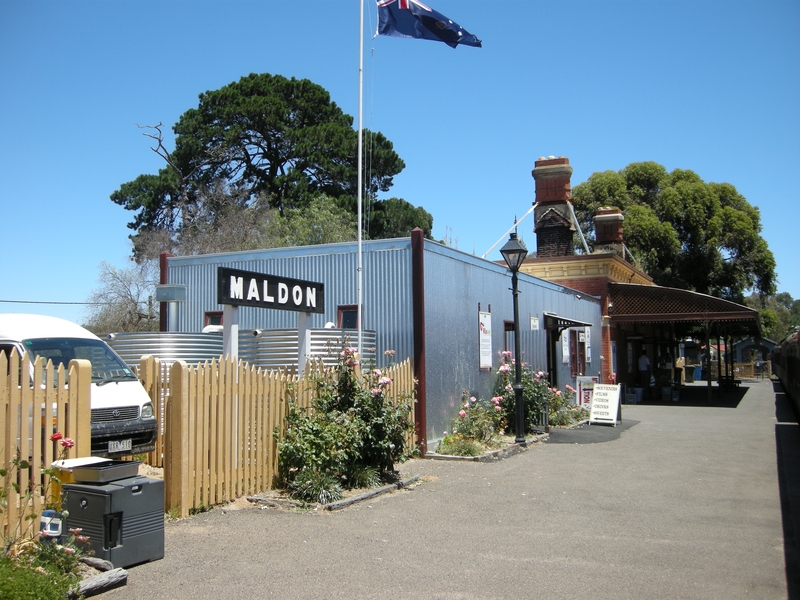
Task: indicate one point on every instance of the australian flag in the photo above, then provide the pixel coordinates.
(409, 18)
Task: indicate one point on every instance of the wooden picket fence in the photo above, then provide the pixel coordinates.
(222, 422)
(29, 415)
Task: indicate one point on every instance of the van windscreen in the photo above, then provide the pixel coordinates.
(106, 365)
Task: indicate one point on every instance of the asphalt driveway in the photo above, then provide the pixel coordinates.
(678, 502)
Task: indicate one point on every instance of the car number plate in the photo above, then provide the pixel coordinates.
(120, 445)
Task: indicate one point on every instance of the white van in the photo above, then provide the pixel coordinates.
(122, 420)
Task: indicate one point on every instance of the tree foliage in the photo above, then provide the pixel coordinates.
(264, 148)
(395, 217)
(686, 233)
(780, 314)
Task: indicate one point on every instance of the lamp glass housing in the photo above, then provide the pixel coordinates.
(514, 253)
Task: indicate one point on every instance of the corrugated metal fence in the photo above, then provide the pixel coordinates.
(271, 349)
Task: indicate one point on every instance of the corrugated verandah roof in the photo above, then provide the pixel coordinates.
(631, 303)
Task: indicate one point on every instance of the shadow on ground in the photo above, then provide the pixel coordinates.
(590, 434)
(698, 395)
(787, 446)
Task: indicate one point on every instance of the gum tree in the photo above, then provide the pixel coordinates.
(686, 233)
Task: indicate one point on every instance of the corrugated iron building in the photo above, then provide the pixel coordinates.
(423, 301)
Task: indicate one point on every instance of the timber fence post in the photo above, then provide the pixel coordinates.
(176, 463)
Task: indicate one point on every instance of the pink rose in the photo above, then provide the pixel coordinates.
(498, 408)
(504, 368)
(68, 442)
(56, 436)
(462, 414)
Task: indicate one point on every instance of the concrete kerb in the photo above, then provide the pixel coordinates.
(371, 494)
(492, 455)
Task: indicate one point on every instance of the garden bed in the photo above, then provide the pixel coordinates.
(508, 447)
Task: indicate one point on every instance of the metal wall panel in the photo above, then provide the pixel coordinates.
(386, 288)
(456, 284)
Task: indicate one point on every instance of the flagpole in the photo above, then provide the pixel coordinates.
(360, 165)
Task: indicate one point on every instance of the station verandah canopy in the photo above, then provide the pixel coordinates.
(690, 314)
(682, 314)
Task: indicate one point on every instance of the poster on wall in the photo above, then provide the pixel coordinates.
(585, 389)
(534, 323)
(588, 337)
(605, 404)
(565, 346)
(485, 338)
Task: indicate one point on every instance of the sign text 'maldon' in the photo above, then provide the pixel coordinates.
(245, 288)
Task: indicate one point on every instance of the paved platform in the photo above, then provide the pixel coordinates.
(682, 501)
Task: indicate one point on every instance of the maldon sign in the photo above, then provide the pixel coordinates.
(245, 288)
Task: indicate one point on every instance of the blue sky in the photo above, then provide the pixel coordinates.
(709, 85)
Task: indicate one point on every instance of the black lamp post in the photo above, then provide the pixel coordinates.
(514, 252)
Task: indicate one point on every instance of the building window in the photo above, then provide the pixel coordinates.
(348, 317)
(213, 317)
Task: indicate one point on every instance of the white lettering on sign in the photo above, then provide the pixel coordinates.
(252, 292)
(283, 293)
(237, 285)
(246, 288)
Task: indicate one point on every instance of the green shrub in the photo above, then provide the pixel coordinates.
(538, 398)
(352, 434)
(479, 420)
(456, 444)
(19, 580)
(316, 486)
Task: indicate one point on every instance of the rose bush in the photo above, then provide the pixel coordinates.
(351, 436)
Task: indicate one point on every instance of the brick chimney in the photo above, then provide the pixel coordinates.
(553, 222)
(608, 230)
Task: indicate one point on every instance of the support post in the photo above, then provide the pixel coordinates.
(230, 330)
(519, 402)
(303, 341)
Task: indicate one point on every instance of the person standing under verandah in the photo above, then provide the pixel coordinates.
(644, 371)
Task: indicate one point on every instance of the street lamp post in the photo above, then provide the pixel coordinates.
(514, 252)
